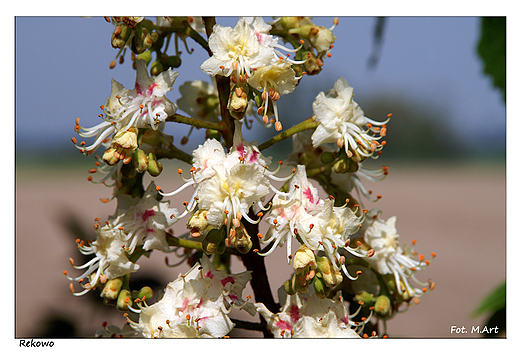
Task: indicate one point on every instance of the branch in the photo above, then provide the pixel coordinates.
(302, 126)
(194, 122)
(242, 324)
(183, 243)
(172, 152)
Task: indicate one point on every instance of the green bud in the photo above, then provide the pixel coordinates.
(237, 103)
(156, 68)
(146, 292)
(112, 288)
(353, 166)
(213, 239)
(365, 297)
(124, 299)
(154, 168)
(341, 166)
(173, 61)
(120, 35)
(327, 157)
(146, 56)
(330, 275)
(383, 307)
(287, 285)
(308, 31)
(289, 22)
(140, 161)
(142, 39)
(321, 289)
(312, 65)
(299, 283)
(241, 240)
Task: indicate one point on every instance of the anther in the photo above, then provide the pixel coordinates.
(71, 261)
(158, 188)
(74, 140)
(65, 272)
(434, 254)
(329, 55)
(179, 171)
(359, 272)
(255, 250)
(259, 235)
(278, 126)
(104, 200)
(266, 119)
(371, 253)
(92, 171)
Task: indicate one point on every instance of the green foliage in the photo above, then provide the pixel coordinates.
(492, 50)
(493, 301)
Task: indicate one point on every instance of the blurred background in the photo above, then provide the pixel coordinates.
(446, 152)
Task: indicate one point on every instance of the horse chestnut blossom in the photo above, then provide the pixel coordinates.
(227, 185)
(145, 106)
(341, 121)
(239, 208)
(320, 225)
(110, 260)
(390, 258)
(195, 305)
(308, 316)
(145, 220)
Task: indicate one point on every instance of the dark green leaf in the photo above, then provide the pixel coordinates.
(492, 50)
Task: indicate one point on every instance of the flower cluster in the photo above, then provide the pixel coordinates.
(195, 305)
(233, 190)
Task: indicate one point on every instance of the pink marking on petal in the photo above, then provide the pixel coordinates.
(283, 325)
(233, 297)
(200, 303)
(138, 89)
(209, 274)
(241, 149)
(254, 156)
(344, 320)
(227, 279)
(147, 214)
(294, 312)
(308, 194)
(150, 89)
(150, 230)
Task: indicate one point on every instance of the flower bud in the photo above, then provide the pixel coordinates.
(312, 65)
(365, 297)
(331, 276)
(173, 61)
(197, 223)
(142, 39)
(299, 283)
(146, 56)
(341, 166)
(320, 288)
(154, 167)
(140, 161)
(156, 68)
(212, 241)
(112, 288)
(383, 307)
(304, 259)
(146, 292)
(124, 299)
(237, 103)
(327, 157)
(241, 240)
(288, 287)
(109, 157)
(120, 35)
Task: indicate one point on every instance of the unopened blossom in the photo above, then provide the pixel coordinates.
(145, 106)
(308, 316)
(144, 221)
(343, 122)
(390, 258)
(110, 258)
(195, 305)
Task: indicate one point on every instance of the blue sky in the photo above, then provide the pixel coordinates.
(62, 73)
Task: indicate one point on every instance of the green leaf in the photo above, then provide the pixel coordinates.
(493, 302)
(492, 50)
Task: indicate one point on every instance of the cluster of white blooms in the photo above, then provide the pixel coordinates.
(391, 258)
(126, 111)
(137, 222)
(233, 189)
(247, 53)
(195, 305)
(316, 222)
(305, 315)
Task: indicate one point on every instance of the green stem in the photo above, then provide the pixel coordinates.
(172, 152)
(194, 35)
(302, 126)
(194, 122)
(183, 243)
